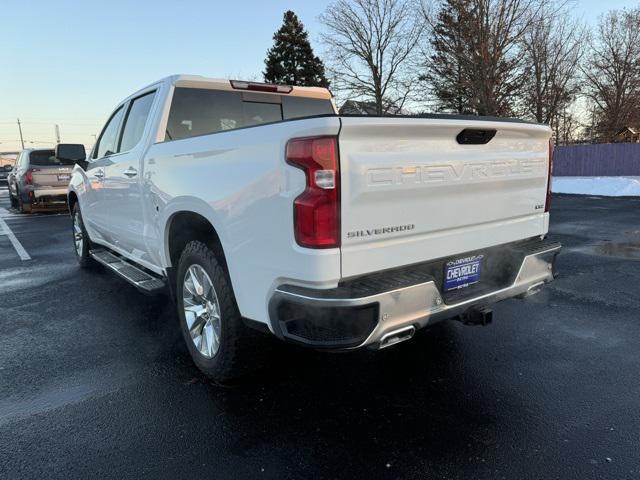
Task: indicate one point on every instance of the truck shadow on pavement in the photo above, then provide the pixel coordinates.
(416, 400)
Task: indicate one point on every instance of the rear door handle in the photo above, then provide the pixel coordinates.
(130, 172)
(99, 173)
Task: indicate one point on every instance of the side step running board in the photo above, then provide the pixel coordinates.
(144, 281)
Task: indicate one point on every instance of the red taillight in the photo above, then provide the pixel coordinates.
(316, 211)
(547, 204)
(260, 87)
(28, 177)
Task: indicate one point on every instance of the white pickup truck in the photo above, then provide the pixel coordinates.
(259, 206)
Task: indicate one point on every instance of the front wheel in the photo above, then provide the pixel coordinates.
(209, 317)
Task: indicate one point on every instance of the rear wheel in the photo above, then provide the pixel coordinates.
(209, 317)
(22, 206)
(14, 200)
(81, 241)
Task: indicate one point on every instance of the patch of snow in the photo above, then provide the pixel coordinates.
(602, 186)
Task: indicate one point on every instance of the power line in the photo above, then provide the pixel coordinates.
(21, 139)
(57, 135)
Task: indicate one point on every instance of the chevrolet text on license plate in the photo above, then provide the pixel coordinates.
(462, 272)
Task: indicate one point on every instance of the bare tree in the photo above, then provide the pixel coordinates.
(481, 52)
(370, 46)
(552, 52)
(565, 126)
(613, 72)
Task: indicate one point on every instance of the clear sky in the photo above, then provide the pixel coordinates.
(69, 62)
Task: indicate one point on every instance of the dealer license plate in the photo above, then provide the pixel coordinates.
(462, 272)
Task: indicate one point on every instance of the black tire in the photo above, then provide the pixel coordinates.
(23, 207)
(226, 364)
(84, 259)
(14, 201)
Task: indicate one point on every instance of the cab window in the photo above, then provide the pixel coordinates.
(107, 143)
(135, 122)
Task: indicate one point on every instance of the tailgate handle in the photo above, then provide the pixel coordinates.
(475, 136)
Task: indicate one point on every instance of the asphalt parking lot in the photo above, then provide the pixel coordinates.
(95, 381)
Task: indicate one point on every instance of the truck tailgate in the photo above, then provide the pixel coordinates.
(51, 176)
(410, 192)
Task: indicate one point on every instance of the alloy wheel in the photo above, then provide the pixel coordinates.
(78, 237)
(201, 311)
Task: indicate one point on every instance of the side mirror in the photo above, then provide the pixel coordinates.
(71, 152)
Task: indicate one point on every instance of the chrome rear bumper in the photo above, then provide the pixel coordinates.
(397, 312)
(60, 192)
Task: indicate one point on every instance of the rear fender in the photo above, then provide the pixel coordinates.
(192, 205)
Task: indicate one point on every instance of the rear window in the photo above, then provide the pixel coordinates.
(300, 107)
(197, 111)
(46, 158)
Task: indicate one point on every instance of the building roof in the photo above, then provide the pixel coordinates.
(632, 130)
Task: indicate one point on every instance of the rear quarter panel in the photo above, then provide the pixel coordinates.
(240, 182)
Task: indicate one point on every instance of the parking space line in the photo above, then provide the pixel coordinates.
(8, 214)
(5, 230)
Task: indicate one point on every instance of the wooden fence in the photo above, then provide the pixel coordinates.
(599, 160)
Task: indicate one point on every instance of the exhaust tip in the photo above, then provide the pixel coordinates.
(396, 336)
(532, 290)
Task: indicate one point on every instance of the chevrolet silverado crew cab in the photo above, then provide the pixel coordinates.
(259, 206)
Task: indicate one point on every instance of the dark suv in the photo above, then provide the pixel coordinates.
(4, 172)
(39, 181)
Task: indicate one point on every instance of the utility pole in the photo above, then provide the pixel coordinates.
(57, 133)
(21, 139)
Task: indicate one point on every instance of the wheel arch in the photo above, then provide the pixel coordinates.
(177, 214)
(183, 226)
(186, 225)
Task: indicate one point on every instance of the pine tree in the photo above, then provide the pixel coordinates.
(446, 72)
(291, 60)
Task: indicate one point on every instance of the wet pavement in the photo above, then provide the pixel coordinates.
(95, 381)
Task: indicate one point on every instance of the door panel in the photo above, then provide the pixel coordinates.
(91, 200)
(122, 201)
(103, 152)
(122, 191)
